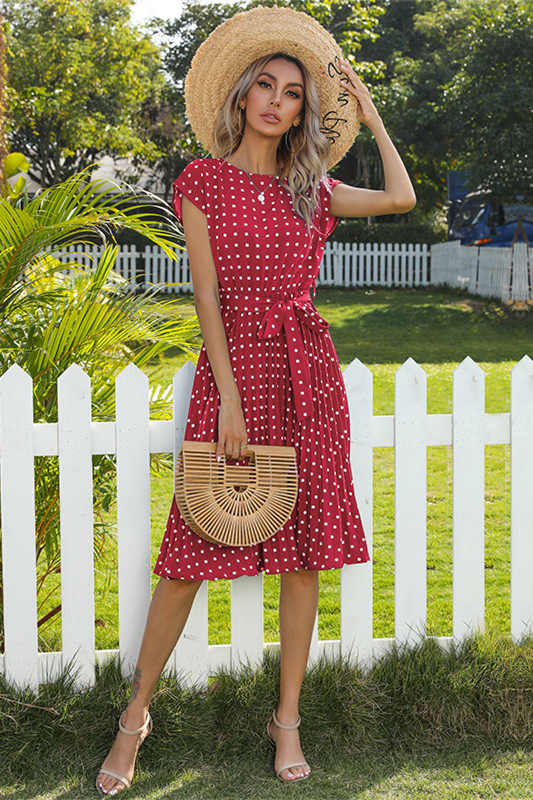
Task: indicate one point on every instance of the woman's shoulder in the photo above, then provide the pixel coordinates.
(207, 162)
(198, 168)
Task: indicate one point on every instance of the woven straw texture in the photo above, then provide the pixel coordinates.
(234, 44)
(235, 504)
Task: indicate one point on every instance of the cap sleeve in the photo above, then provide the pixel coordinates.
(328, 222)
(190, 182)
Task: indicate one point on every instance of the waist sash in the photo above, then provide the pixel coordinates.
(286, 314)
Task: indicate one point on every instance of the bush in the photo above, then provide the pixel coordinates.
(358, 230)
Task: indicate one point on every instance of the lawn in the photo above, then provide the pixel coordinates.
(422, 723)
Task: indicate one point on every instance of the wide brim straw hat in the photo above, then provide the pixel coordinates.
(234, 44)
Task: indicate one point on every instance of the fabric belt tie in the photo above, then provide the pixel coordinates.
(286, 312)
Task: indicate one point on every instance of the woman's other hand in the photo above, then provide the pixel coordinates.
(367, 112)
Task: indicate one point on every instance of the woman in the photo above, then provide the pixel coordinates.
(256, 217)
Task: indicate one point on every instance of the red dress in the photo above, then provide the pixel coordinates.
(286, 369)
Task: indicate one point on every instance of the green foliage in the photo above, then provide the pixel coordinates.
(489, 101)
(400, 51)
(15, 162)
(11, 165)
(358, 230)
(457, 92)
(468, 90)
(79, 76)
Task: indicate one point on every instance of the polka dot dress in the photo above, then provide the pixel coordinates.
(286, 369)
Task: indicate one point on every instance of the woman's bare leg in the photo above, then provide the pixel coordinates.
(298, 606)
(169, 609)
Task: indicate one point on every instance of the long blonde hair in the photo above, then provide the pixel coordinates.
(302, 151)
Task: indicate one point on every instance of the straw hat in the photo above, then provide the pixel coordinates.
(234, 44)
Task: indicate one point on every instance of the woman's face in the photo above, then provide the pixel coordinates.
(279, 89)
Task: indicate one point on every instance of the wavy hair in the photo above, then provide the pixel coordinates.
(303, 150)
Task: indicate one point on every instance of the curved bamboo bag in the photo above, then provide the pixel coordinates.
(235, 504)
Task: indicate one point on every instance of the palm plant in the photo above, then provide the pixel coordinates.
(53, 314)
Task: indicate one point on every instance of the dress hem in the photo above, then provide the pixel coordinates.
(267, 572)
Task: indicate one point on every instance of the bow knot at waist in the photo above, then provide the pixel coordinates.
(286, 313)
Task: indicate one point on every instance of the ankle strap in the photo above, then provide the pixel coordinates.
(139, 730)
(281, 725)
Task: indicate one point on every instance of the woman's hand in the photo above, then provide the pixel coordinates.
(366, 110)
(232, 436)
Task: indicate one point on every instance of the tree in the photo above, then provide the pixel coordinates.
(79, 74)
(489, 101)
(468, 90)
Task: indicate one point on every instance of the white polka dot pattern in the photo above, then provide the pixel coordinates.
(287, 371)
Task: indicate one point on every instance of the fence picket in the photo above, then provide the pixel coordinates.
(520, 271)
(190, 658)
(468, 498)
(21, 664)
(410, 264)
(356, 579)
(410, 439)
(133, 508)
(148, 266)
(76, 520)
(521, 483)
(403, 265)
(247, 620)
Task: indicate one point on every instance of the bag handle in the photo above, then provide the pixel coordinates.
(241, 474)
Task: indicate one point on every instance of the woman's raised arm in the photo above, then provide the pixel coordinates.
(398, 195)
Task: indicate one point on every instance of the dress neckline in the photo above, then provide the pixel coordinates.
(258, 174)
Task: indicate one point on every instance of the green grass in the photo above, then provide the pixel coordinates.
(465, 775)
(421, 723)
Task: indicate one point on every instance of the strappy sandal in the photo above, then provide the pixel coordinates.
(147, 724)
(273, 718)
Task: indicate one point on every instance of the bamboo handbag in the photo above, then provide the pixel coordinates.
(234, 504)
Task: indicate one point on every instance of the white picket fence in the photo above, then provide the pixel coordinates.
(343, 264)
(133, 436)
(505, 273)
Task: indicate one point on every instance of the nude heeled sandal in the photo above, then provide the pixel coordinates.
(146, 724)
(273, 718)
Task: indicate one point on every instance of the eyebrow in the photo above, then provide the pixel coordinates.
(293, 83)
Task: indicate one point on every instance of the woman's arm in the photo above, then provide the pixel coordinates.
(398, 195)
(232, 428)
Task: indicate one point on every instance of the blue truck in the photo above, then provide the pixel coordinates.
(482, 219)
